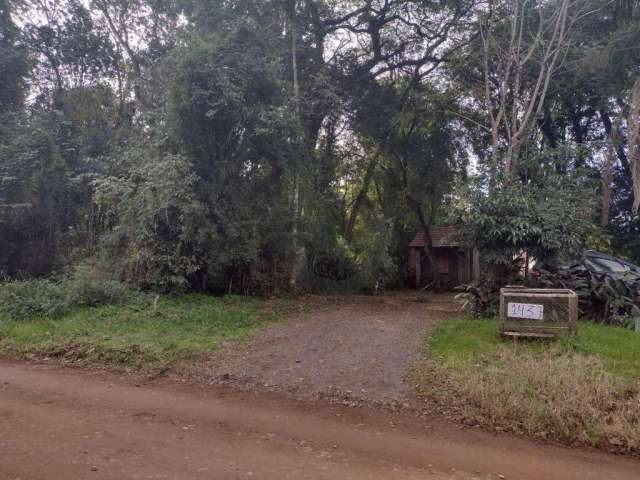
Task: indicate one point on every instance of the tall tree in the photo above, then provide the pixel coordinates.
(523, 44)
(13, 61)
(633, 126)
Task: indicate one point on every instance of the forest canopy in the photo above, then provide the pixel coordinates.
(263, 146)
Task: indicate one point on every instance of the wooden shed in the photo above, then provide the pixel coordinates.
(454, 264)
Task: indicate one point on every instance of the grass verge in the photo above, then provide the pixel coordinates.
(584, 390)
(138, 336)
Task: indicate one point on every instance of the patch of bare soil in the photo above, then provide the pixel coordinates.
(351, 349)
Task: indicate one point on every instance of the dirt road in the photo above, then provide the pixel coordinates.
(66, 424)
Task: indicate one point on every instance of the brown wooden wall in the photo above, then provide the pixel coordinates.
(454, 266)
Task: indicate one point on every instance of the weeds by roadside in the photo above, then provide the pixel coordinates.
(82, 287)
(584, 390)
(134, 335)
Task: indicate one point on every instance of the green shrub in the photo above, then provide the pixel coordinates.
(33, 298)
(332, 272)
(480, 299)
(88, 288)
(547, 219)
(84, 287)
(613, 300)
(604, 298)
(156, 229)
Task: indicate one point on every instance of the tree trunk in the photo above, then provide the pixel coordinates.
(426, 227)
(122, 40)
(607, 174)
(513, 154)
(359, 201)
(297, 253)
(620, 151)
(515, 110)
(634, 143)
(495, 156)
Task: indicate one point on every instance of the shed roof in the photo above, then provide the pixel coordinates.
(441, 236)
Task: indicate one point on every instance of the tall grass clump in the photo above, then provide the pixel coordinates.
(174, 329)
(576, 391)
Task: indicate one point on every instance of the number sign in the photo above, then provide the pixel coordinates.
(525, 310)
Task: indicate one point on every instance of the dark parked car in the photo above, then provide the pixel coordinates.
(591, 260)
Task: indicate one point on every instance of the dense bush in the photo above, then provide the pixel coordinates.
(547, 220)
(155, 227)
(23, 299)
(602, 297)
(84, 287)
(550, 220)
(88, 287)
(330, 272)
(482, 298)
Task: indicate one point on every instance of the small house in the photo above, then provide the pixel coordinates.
(454, 264)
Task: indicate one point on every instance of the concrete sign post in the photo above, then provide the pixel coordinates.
(538, 312)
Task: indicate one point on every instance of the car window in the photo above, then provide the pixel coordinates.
(606, 265)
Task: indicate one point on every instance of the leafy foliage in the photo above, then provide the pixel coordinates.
(20, 300)
(481, 298)
(155, 225)
(238, 145)
(13, 61)
(85, 287)
(546, 220)
(606, 298)
(603, 297)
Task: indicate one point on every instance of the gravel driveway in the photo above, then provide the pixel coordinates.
(354, 349)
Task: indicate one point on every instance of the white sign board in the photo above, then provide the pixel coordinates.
(525, 310)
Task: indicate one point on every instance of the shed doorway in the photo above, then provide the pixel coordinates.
(453, 264)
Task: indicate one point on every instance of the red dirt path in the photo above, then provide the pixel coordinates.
(58, 423)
